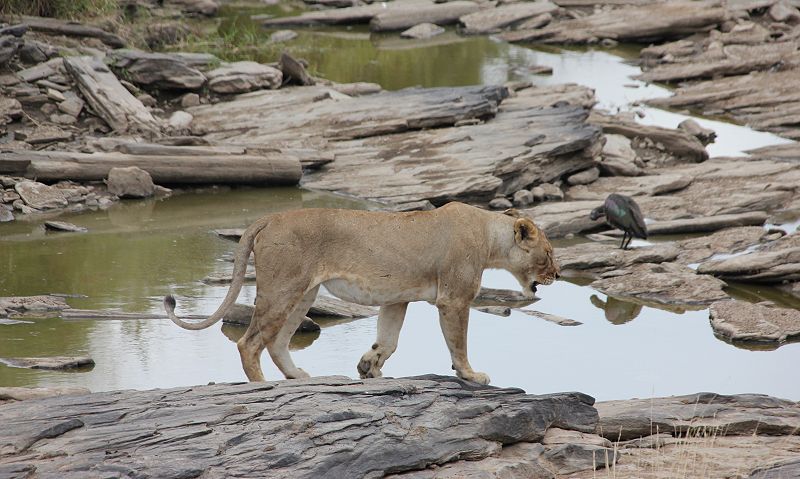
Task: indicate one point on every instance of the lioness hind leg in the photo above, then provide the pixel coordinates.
(454, 321)
(390, 320)
(250, 349)
(277, 343)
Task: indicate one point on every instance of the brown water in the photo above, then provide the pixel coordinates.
(138, 251)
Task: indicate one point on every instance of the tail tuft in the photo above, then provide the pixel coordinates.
(169, 303)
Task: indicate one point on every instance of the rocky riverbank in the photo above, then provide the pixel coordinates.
(428, 426)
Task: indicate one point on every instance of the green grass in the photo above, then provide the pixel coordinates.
(58, 8)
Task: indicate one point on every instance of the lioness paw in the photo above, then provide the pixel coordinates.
(475, 377)
(368, 368)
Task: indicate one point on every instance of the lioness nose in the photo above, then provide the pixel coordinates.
(558, 275)
(535, 284)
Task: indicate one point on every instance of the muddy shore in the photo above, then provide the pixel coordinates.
(87, 119)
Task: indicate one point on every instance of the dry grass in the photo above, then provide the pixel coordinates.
(71, 9)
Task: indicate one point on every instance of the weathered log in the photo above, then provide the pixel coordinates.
(55, 26)
(324, 427)
(638, 23)
(108, 98)
(266, 169)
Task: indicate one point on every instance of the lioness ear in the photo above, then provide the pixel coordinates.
(512, 212)
(525, 230)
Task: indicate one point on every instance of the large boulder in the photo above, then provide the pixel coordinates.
(241, 77)
(130, 182)
(157, 70)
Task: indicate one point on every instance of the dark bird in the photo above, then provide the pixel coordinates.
(623, 213)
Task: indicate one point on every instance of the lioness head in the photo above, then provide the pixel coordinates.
(532, 255)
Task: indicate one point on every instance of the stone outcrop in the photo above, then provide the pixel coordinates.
(600, 257)
(668, 284)
(161, 70)
(740, 321)
(242, 77)
(130, 182)
(319, 427)
(774, 262)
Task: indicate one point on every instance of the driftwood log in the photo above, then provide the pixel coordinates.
(55, 26)
(266, 169)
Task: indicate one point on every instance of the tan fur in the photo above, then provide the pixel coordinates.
(377, 258)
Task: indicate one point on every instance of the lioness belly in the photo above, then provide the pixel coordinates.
(376, 293)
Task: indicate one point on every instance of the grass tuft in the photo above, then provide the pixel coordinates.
(71, 9)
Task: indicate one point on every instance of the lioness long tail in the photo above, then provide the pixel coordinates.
(239, 268)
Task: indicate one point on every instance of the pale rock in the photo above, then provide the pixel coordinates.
(500, 204)
(422, 31)
(282, 36)
(584, 177)
(190, 100)
(523, 198)
(244, 76)
(619, 158)
(180, 120)
(40, 196)
(130, 182)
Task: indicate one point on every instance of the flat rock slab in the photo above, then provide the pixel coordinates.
(630, 186)
(774, 262)
(561, 218)
(637, 23)
(764, 101)
(493, 20)
(317, 428)
(488, 297)
(108, 98)
(24, 304)
(740, 321)
(600, 257)
(384, 16)
(159, 70)
(667, 284)
(55, 362)
(741, 414)
(24, 394)
(726, 241)
(40, 196)
(64, 226)
(403, 146)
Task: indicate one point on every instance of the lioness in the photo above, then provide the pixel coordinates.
(377, 258)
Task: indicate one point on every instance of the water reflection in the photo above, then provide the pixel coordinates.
(616, 310)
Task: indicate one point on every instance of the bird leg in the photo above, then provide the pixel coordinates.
(628, 244)
(624, 235)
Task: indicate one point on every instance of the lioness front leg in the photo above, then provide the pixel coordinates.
(454, 319)
(390, 320)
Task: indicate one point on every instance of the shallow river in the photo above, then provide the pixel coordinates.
(138, 251)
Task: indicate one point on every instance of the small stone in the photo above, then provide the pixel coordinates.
(705, 135)
(308, 326)
(609, 42)
(147, 100)
(6, 216)
(43, 134)
(500, 204)
(71, 106)
(189, 100)
(422, 31)
(130, 182)
(9, 196)
(784, 12)
(244, 76)
(180, 120)
(282, 36)
(48, 108)
(63, 119)
(584, 177)
(547, 192)
(55, 95)
(523, 198)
